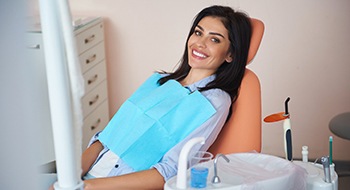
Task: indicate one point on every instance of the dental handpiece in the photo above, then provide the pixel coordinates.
(288, 139)
(326, 169)
(287, 133)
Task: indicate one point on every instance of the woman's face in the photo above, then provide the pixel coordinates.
(208, 46)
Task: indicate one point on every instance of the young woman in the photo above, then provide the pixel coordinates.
(140, 146)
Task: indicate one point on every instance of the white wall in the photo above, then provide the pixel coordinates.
(304, 55)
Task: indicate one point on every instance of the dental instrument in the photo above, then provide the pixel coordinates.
(285, 116)
(330, 149)
(216, 178)
(181, 182)
(326, 169)
(287, 133)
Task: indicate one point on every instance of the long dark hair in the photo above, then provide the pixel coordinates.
(229, 75)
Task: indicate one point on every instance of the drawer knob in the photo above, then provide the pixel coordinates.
(93, 127)
(92, 79)
(37, 46)
(89, 39)
(92, 102)
(91, 59)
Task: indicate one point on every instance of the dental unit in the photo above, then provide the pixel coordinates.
(256, 170)
(239, 170)
(320, 176)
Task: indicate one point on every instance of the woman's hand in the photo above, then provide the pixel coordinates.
(90, 155)
(51, 187)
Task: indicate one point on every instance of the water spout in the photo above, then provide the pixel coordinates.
(181, 182)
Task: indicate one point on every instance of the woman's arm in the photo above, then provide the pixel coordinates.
(89, 156)
(147, 179)
(143, 180)
(167, 167)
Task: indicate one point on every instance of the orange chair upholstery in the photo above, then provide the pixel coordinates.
(242, 132)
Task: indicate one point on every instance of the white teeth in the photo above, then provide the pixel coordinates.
(199, 54)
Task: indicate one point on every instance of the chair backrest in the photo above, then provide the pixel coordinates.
(242, 132)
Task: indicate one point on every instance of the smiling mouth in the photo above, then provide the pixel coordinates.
(196, 53)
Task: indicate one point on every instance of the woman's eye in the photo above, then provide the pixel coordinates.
(197, 33)
(215, 40)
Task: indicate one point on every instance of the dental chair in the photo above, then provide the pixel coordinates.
(242, 131)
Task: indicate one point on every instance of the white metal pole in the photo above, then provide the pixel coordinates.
(75, 76)
(60, 98)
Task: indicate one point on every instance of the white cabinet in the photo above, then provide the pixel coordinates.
(90, 45)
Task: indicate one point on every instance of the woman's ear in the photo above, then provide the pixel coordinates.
(229, 58)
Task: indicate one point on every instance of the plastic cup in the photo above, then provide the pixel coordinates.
(199, 177)
(199, 173)
(199, 157)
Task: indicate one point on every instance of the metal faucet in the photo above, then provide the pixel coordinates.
(216, 178)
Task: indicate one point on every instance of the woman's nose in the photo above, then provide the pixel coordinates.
(201, 42)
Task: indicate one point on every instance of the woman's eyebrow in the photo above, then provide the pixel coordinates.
(212, 33)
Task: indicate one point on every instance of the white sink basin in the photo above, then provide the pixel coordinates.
(251, 171)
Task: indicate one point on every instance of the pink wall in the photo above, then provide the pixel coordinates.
(304, 55)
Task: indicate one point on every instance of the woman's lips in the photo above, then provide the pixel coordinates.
(199, 54)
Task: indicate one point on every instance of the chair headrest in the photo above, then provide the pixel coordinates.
(257, 34)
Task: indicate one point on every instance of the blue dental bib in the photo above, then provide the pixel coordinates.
(153, 120)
